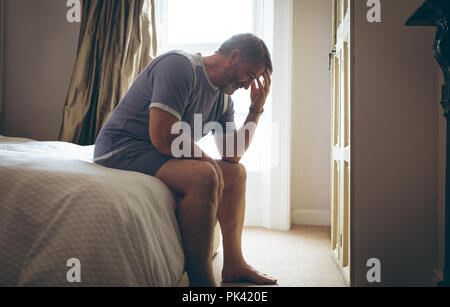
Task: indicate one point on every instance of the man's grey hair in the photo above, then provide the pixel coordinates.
(252, 48)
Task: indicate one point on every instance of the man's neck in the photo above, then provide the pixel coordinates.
(213, 66)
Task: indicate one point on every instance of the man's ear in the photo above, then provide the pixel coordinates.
(234, 57)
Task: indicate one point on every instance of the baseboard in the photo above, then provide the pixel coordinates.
(311, 217)
(438, 276)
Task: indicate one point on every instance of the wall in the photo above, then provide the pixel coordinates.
(395, 146)
(2, 21)
(39, 57)
(399, 135)
(311, 112)
(440, 218)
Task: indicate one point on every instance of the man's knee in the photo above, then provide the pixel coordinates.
(206, 182)
(237, 174)
(241, 172)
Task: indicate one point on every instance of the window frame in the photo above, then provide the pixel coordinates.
(273, 210)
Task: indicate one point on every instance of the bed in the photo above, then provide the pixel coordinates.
(56, 205)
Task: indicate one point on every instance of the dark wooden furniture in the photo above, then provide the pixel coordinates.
(436, 13)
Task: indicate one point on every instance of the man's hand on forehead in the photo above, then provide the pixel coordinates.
(253, 76)
(265, 75)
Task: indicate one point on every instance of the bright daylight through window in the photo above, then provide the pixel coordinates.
(184, 25)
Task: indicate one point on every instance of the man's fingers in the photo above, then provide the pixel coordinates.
(261, 87)
(267, 80)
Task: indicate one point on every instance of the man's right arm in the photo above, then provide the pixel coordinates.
(160, 130)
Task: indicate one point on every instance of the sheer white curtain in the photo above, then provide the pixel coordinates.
(201, 26)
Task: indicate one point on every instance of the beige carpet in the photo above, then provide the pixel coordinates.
(297, 258)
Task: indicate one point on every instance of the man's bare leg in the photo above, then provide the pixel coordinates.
(231, 213)
(197, 182)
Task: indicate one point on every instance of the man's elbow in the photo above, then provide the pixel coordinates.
(160, 144)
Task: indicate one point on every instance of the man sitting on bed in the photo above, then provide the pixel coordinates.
(138, 137)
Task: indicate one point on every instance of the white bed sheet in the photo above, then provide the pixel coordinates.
(55, 204)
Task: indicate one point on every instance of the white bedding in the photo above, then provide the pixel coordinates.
(55, 204)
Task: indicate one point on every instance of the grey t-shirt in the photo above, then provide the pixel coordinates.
(175, 82)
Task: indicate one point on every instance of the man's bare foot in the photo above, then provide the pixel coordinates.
(245, 273)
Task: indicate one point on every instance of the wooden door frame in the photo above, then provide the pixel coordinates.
(351, 262)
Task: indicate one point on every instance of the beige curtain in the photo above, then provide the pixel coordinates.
(117, 40)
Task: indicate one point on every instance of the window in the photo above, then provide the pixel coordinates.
(201, 26)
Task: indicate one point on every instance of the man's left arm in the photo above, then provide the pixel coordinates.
(241, 139)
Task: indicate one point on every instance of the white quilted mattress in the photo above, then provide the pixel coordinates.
(56, 205)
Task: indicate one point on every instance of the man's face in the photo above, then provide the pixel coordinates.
(240, 75)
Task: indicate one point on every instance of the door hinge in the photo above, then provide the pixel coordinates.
(330, 57)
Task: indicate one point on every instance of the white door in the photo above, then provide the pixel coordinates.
(341, 66)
